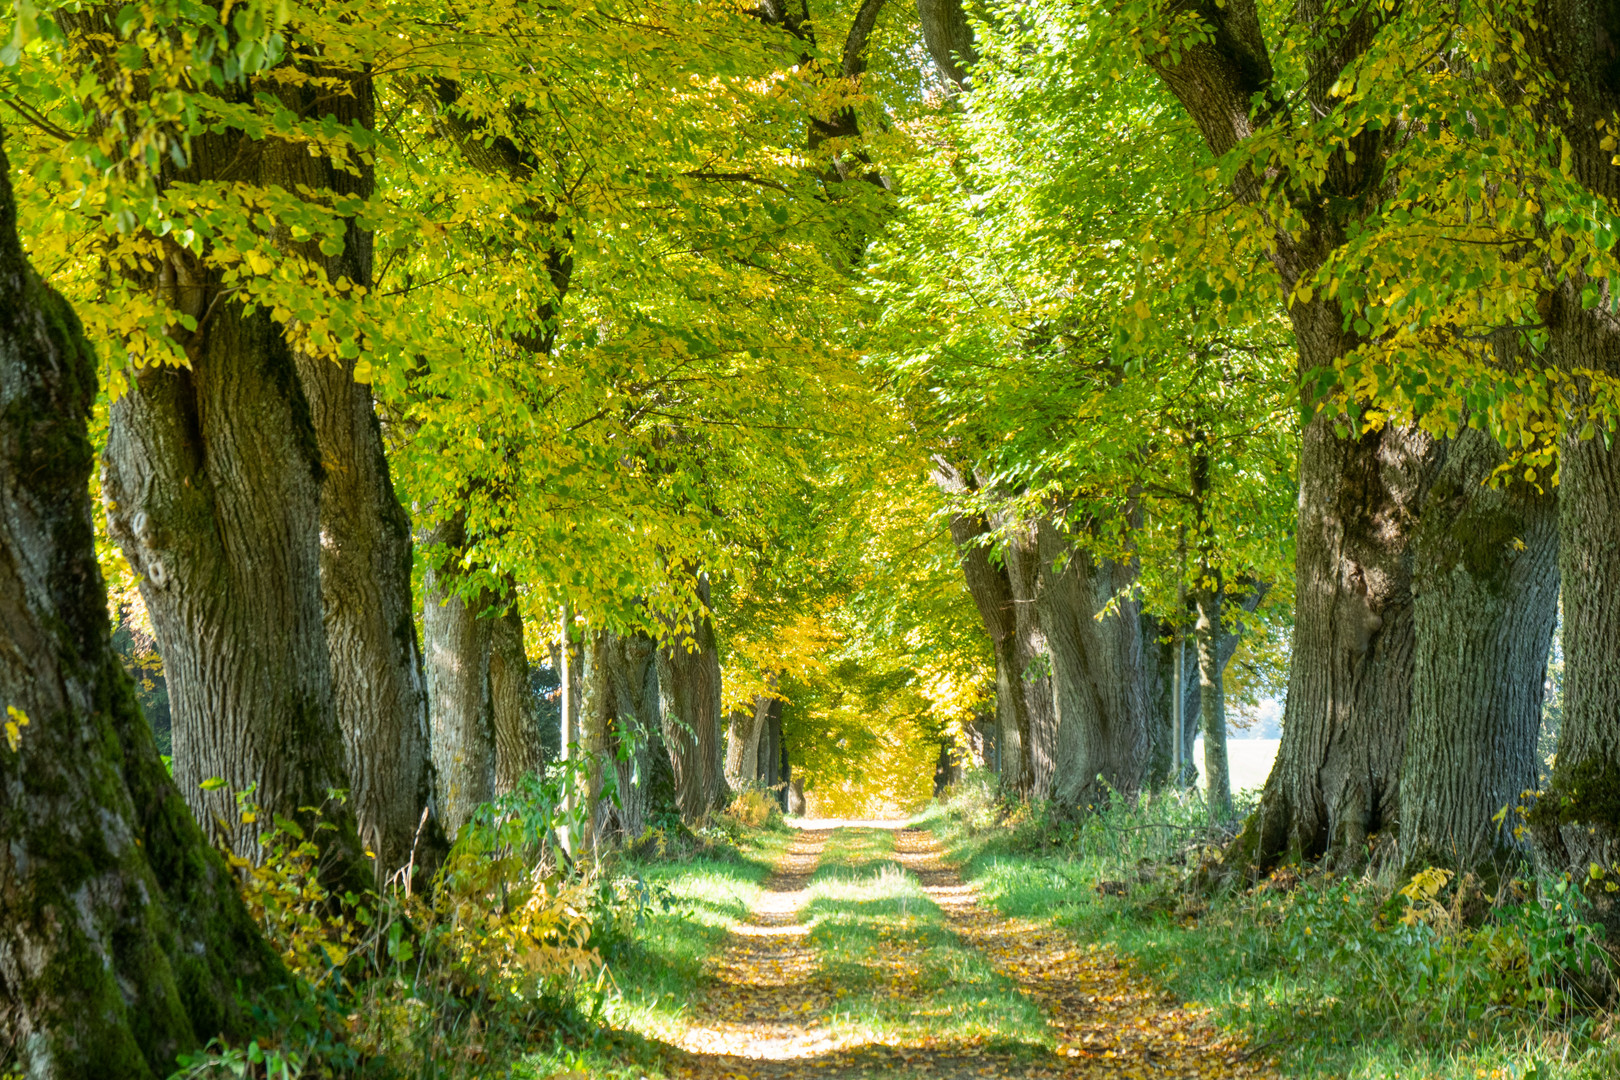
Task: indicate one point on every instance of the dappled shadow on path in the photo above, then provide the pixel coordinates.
(1105, 1019)
(772, 1012)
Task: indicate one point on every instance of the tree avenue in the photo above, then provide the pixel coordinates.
(541, 432)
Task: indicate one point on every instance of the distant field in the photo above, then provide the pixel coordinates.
(1249, 760)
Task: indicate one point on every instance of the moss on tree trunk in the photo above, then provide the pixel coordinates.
(122, 938)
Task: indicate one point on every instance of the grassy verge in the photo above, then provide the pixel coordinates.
(1343, 978)
(682, 905)
(898, 975)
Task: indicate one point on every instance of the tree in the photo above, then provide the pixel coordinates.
(460, 708)
(1312, 162)
(689, 692)
(519, 746)
(132, 950)
(1033, 349)
(1564, 79)
(212, 474)
(365, 553)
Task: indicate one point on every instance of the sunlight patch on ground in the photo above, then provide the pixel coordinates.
(884, 963)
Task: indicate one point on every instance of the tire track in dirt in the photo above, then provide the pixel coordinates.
(767, 1016)
(1106, 1020)
(767, 1006)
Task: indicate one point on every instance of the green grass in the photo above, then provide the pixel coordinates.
(657, 963)
(896, 971)
(1311, 971)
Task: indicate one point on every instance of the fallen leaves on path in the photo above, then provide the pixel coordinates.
(770, 1014)
(1105, 1019)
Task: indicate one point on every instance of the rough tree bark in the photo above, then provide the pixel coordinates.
(1486, 585)
(1160, 656)
(771, 770)
(1044, 763)
(1207, 633)
(212, 479)
(518, 746)
(1577, 823)
(949, 37)
(622, 700)
(689, 711)
(1159, 649)
(365, 552)
(457, 641)
(743, 731)
(1212, 695)
(123, 941)
(633, 741)
(1098, 675)
(1335, 779)
(595, 713)
(1014, 649)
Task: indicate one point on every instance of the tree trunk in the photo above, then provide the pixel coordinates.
(632, 742)
(457, 640)
(377, 676)
(770, 760)
(769, 738)
(1349, 685)
(743, 735)
(1486, 586)
(1157, 655)
(1212, 696)
(123, 941)
(1098, 674)
(1159, 649)
(595, 711)
(1577, 821)
(1208, 632)
(212, 480)
(365, 553)
(689, 709)
(949, 37)
(1011, 642)
(784, 775)
(519, 750)
(1045, 759)
(566, 661)
(1336, 777)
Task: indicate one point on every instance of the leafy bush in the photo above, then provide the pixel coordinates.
(755, 808)
(445, 981)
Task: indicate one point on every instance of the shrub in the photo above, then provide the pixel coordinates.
(755, 808)
(450, 980)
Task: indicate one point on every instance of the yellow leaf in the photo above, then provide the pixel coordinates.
(18, 720)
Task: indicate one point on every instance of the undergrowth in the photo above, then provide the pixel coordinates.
(1364, 976)
(518, 960)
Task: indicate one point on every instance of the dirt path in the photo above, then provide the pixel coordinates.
(774, 1013)
(767, 1005)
